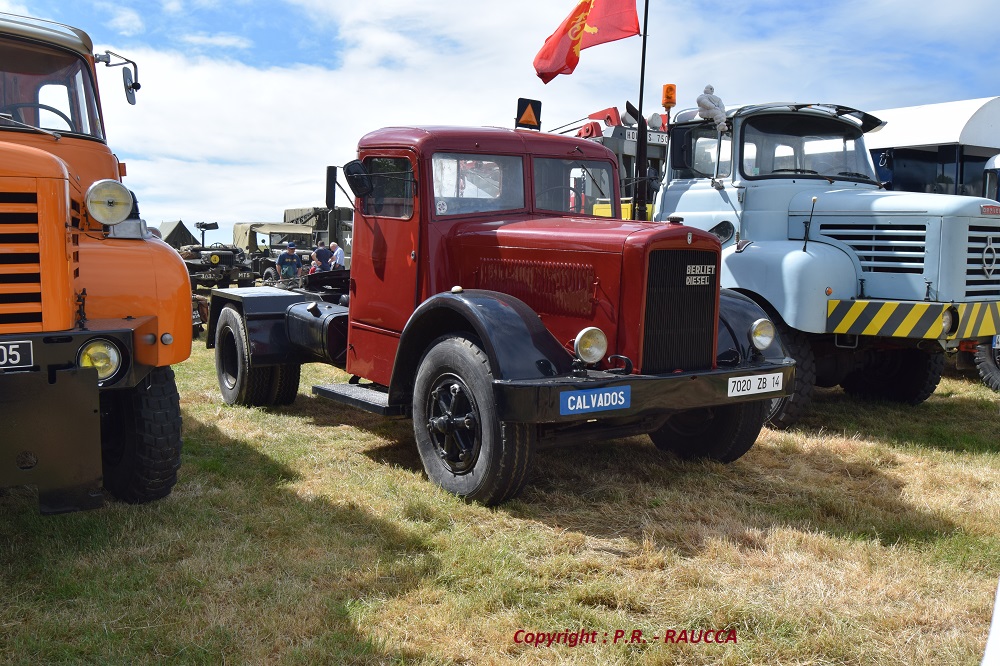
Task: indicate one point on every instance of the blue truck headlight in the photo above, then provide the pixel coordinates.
(762, 334)
(590, 345)
(102, 355)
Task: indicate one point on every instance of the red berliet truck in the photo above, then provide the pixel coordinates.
(488, 303)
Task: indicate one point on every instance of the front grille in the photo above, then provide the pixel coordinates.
(20, 271)
(882, 248)
(982, 273)
(680, 322)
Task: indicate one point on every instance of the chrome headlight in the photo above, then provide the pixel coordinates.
(590, 345)
(762, 334)
(109, 202)
(949, 321)
(102, 355)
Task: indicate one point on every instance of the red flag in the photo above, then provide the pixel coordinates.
(591, 22)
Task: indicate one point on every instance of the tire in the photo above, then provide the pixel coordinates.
(464, 448)
(270, 274)
(988, 364)
(785, 412)
(907, 376)
(285, 384)
(240, 384)
(141, 438)
(721, 433)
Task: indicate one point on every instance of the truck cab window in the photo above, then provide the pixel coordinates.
(573, 186)
(465, 184)
(392, 179)
(46, 88)
(695, 151)
(803, 146)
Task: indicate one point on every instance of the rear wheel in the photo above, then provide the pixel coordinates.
(141, 438)
(898, 375)
(988, 363)
(285, 383)
(786, 411)
(240, 384)
(464, 449)
(722, 433)
(270, 274)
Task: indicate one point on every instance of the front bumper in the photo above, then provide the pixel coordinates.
(912, 319)
(599, 394)
(52, 420)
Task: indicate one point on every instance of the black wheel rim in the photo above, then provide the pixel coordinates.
(453, 423)
(228, 357)
(995, 354)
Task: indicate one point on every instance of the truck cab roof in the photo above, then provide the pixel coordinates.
(47, 31)
(430, 139)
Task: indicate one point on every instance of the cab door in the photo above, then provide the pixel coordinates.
(384, 264)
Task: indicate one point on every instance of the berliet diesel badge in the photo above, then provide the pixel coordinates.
(989, 257)
(689, 238)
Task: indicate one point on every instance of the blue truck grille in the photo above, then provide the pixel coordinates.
(882, 248)
(982, 273)
(680, 311)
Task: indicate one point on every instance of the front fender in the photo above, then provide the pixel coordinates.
(791, 281)
(737, 313)
(513, 337)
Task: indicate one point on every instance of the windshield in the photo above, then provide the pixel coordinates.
(580, 187)
(472, 183)
(47, 88)
(803, 145)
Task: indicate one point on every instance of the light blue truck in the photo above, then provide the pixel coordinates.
(869, 287)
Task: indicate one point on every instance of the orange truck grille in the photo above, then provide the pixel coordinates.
(20, 263)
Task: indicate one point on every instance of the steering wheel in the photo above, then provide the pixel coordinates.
(10, 108)
(217, 246)
(577, 203)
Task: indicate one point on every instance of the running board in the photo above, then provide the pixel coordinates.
(361, 396)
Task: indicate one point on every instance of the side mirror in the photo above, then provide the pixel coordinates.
(130, 85)
(331, 188)
(358, 179)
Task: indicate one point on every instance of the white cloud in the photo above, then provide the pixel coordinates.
(125, 21)
(220, 140)
(14, 8)
(222, 40)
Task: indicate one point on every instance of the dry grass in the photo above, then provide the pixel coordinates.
(309, 535)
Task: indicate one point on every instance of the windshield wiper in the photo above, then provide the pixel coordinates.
(592, 179)
(10, 118)
(805, 171)
(855, 174)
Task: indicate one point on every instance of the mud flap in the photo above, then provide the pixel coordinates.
(52, 437)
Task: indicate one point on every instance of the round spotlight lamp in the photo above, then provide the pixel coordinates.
(109, 202)
(102, 355)
(590, 345)
(762, 334)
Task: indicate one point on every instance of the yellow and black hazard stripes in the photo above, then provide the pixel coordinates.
(977, 319)
(908, 319)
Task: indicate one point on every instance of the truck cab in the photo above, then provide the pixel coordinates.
(489, 303)
(868, 287)
(93, 309)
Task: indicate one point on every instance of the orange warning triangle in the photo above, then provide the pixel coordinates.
(528, 118)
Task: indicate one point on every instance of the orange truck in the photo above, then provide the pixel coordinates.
(93, 308)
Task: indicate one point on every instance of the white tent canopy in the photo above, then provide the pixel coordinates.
(971, 122)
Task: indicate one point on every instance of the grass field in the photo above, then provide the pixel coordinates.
(308, 535)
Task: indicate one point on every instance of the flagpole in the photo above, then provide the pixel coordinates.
(642, 67)
(639, 198)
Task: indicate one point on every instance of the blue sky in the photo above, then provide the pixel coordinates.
(244, 103)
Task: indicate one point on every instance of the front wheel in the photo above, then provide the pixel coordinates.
(786, 411)
(141, 438)
(463, 447)
(722, 433)
(988, 362)
(908, 376)
(270, 274)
